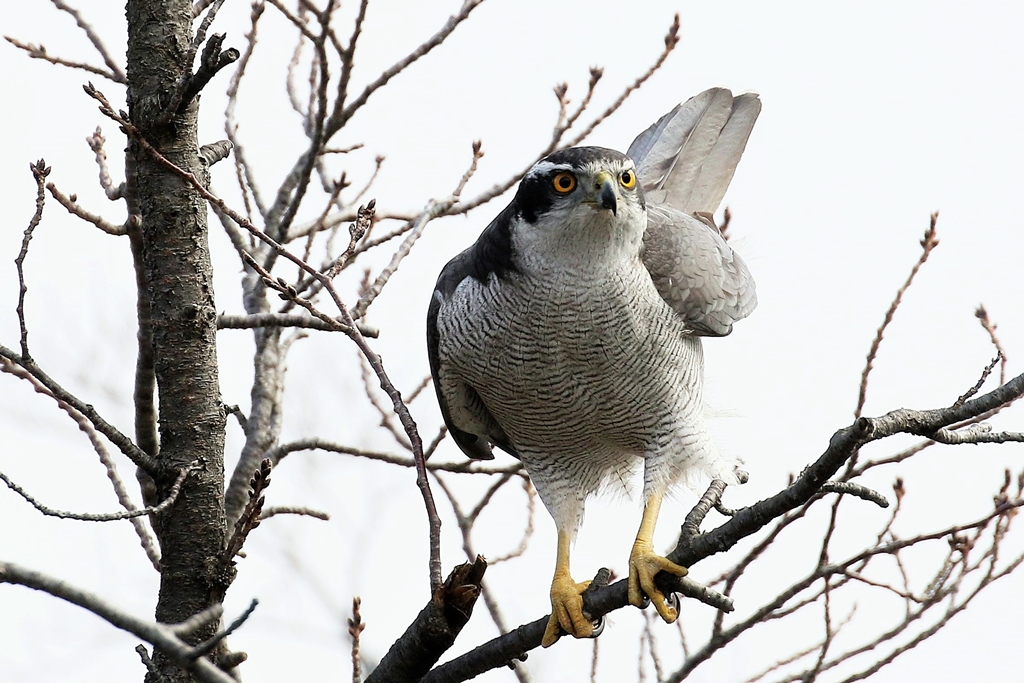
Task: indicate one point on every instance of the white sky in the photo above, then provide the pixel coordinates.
(875, 114)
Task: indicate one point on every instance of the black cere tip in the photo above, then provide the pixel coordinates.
(607, 197)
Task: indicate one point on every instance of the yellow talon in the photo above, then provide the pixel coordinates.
(644, 564)
(567, 611)
(566, 599)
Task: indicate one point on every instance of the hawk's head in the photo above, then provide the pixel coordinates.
(583, 203)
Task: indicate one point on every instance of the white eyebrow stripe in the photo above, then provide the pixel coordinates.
(543, 167)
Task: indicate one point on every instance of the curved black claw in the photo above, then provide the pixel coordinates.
(672, 600)
(598, 628)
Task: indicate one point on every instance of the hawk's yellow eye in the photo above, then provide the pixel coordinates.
(564, 182)
(628, 179)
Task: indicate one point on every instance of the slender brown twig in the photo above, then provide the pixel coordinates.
(928, 243)
(293, 510)
(101, 517)
(94, 38)
(982, 315)
(71, 204)
(39, 52)
(145, 538)
(355, 630)
(39, 172)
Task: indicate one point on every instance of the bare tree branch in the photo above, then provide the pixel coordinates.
(348, 327)
(340, 116)
(244, 322)
(70, 203)
(293, 510)
(466, 467)
(146, 539)
(163, 637)
(435, 627)
(693, 548)
(123, 443)
(115, 68)
(39, 52)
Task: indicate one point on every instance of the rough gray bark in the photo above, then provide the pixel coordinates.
(179, 292)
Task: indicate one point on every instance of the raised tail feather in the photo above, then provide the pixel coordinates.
(687, 158)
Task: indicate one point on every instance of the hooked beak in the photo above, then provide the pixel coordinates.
(606, 196)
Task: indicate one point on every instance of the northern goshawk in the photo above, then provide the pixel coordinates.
(569, 334)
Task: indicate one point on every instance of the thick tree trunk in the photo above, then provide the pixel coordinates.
(179, 289)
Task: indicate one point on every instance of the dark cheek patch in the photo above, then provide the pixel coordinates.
(535, 197)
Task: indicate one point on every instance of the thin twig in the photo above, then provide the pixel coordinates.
(342, 150)
(183, 89)
(252, 514)
(857, 490)
(978, 433)
(981, 381)
(39, 172)
(207, 646)
(441, 433)
(595, 75)
(531, 508)
(982, 315)
(71, 204)
(162, 636)
(478, 154)
(145, 538)
(671, 40)
(123, 443)
(355, 630)
(293, 510)
(928, 243)
(400, 437)
(96, 142)
(341, 115)
(348, 52)
(199, 621)
(659, 673)
(243, 171)
(39, 52)
(102, 517)
(424, 383)
(430, 212)
(277, 453)
(115, 69)
(247, 322)
(150, 665)
(466, 527)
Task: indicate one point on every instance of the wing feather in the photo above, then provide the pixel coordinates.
(469, 421)
(685, 162)
(696, 271)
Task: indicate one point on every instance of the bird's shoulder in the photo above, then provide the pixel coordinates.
(490, 257)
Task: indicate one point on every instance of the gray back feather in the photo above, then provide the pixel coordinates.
(685, 162)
